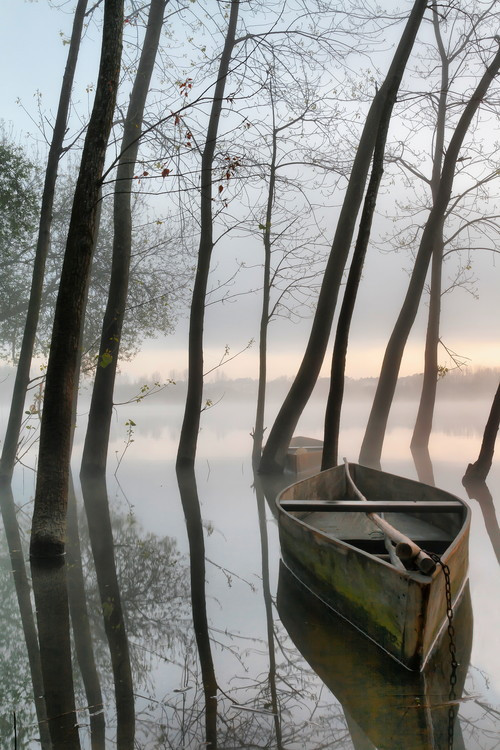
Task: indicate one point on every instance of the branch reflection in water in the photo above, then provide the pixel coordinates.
(268, 695)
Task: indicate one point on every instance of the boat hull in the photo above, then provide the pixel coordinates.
(402, 611)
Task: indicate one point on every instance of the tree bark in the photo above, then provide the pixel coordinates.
(49, 518)
(191, 423)
(101, 407)
(371, 448)
(56, 147)
(94, 460)
(478, 471)
(423, 423)
(274, 454)
(337, 376)
(11, 439)
(258, 431)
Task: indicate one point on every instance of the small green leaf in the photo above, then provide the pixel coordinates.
(106, 359)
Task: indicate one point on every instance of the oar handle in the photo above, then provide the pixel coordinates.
(406, 549)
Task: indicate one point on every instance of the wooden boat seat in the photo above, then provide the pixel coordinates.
(357, 526)
(374, 506)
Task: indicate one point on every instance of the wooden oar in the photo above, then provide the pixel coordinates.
(406, 549)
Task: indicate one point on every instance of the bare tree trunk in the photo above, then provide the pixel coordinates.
(101, 407)
(11, 439)
(258, 431)
(337, 377)
(478, 471)
(191, 423)
(94, 460)
(423, 424)
(23, 366)
(49, 518)
(273, 457)
(371, 448)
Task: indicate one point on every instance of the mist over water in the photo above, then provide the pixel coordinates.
(152, 549)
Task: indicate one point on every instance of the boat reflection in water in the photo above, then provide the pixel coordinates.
(386, 706)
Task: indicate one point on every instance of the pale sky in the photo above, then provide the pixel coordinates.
(33, 57)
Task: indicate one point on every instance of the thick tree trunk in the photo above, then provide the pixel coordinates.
(93, 468)
(23, 366)
(274, 454)
(191, 423)
(16, 413)
(478, 471)
(337, 377)
(371, 448)
(49, 518)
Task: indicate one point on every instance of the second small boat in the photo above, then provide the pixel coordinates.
(365, 541)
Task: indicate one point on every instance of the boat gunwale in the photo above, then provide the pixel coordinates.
(416, 576)
(426, 584)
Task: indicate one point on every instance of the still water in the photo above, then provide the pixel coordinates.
(276, 670)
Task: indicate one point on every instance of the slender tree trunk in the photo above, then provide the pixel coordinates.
(23, 366)
(94, 460)
(101, 407)
(191, 423)
(371, 448)
(423, 424)
(337, 377)
(49, 518)
(274, 454)
(478, 471)
(16, 413)
(258, 432)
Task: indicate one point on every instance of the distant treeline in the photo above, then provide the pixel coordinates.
(468, 384)
(479, 383)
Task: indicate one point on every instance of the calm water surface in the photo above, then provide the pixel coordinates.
(289, 675)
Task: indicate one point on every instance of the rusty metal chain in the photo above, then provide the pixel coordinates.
(452, 648)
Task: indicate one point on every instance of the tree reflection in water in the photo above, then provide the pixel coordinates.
(260, 690)
(478, 490)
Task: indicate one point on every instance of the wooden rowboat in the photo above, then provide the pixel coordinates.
(342, 548)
